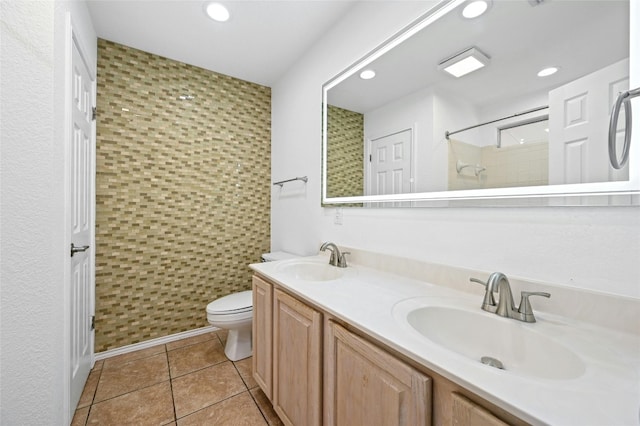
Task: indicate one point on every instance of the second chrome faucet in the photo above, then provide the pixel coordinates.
(505, 306)
(337, 259)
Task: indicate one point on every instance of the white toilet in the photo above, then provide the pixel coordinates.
(234, 312)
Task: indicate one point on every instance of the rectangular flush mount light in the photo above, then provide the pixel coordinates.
(464, 62)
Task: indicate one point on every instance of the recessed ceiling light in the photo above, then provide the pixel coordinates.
(464, 62)
(475, 8)
(367, 74)
(217, 12)
(547, 71)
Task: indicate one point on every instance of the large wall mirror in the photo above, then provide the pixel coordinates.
(512, 104)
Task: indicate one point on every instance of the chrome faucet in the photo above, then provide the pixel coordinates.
(337, 259)
(505, 306)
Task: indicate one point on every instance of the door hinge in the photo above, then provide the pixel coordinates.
(94, 113)
(93, 322)
(370, 157)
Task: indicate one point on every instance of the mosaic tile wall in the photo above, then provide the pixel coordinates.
(182, 192)
(345, 140)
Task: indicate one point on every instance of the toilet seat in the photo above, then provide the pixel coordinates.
(232, 304)
(232, 318)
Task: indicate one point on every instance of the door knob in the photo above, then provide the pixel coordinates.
(78, 249)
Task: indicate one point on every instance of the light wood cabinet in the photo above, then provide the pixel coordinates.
(468, 413)
(261, 337)
(343, 378)
(297, 362)
(365, 385)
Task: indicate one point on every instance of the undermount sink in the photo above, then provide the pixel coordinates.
(308, 270)
(495, 341)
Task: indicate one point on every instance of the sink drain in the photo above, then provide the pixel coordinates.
(492, 362)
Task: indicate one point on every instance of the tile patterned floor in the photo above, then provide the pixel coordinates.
(183, 383)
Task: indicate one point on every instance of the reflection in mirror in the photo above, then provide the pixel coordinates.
(417, 128)
(345, 153)
(519, 156)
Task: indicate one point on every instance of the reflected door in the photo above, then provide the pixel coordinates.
(390, 164)
(579, 123)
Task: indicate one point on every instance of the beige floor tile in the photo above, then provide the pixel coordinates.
(80, 417)
(195, 357)
(222, 334)
(205, 387)
(265, 407)
(148, 406)
(245, 369)
(98, 365)
(239, 410)
(132, 375)
(191, 340)
(131, 356)
(89, 390)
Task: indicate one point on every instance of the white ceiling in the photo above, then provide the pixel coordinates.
(579, 36)
(260, 42)
(264, 38)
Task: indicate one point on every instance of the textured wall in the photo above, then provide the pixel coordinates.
(183, 192)
(34, 242)
(345, 152)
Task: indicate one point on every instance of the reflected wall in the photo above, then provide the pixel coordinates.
(345, 154)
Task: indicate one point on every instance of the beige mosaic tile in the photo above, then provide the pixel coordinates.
(345, 153)
(182, 192)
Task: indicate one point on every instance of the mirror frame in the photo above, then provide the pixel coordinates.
(630, 187)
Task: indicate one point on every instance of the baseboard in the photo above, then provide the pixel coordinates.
(153, 342)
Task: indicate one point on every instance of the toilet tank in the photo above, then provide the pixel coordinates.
(277, 255)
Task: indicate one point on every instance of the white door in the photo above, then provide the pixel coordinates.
(390, 164)
(81, 216)
(578, 127)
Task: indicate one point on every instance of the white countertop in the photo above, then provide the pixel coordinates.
(607, 393)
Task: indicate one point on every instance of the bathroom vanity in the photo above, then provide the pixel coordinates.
(336, 346)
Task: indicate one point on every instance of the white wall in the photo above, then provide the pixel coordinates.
(592, 248)
(415, 112)
(32, 238)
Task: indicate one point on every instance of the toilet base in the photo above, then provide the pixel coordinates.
(238, 344)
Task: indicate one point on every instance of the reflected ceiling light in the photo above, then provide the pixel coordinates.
(367, 74)
(547, 71)
(464, 62)
(217, 12)
(475, 8)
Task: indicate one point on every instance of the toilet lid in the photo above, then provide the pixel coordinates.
(232, 303)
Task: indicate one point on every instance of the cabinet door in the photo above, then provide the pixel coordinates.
(365, 385)
(261, 334)
(297, 365)
(468, 413)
